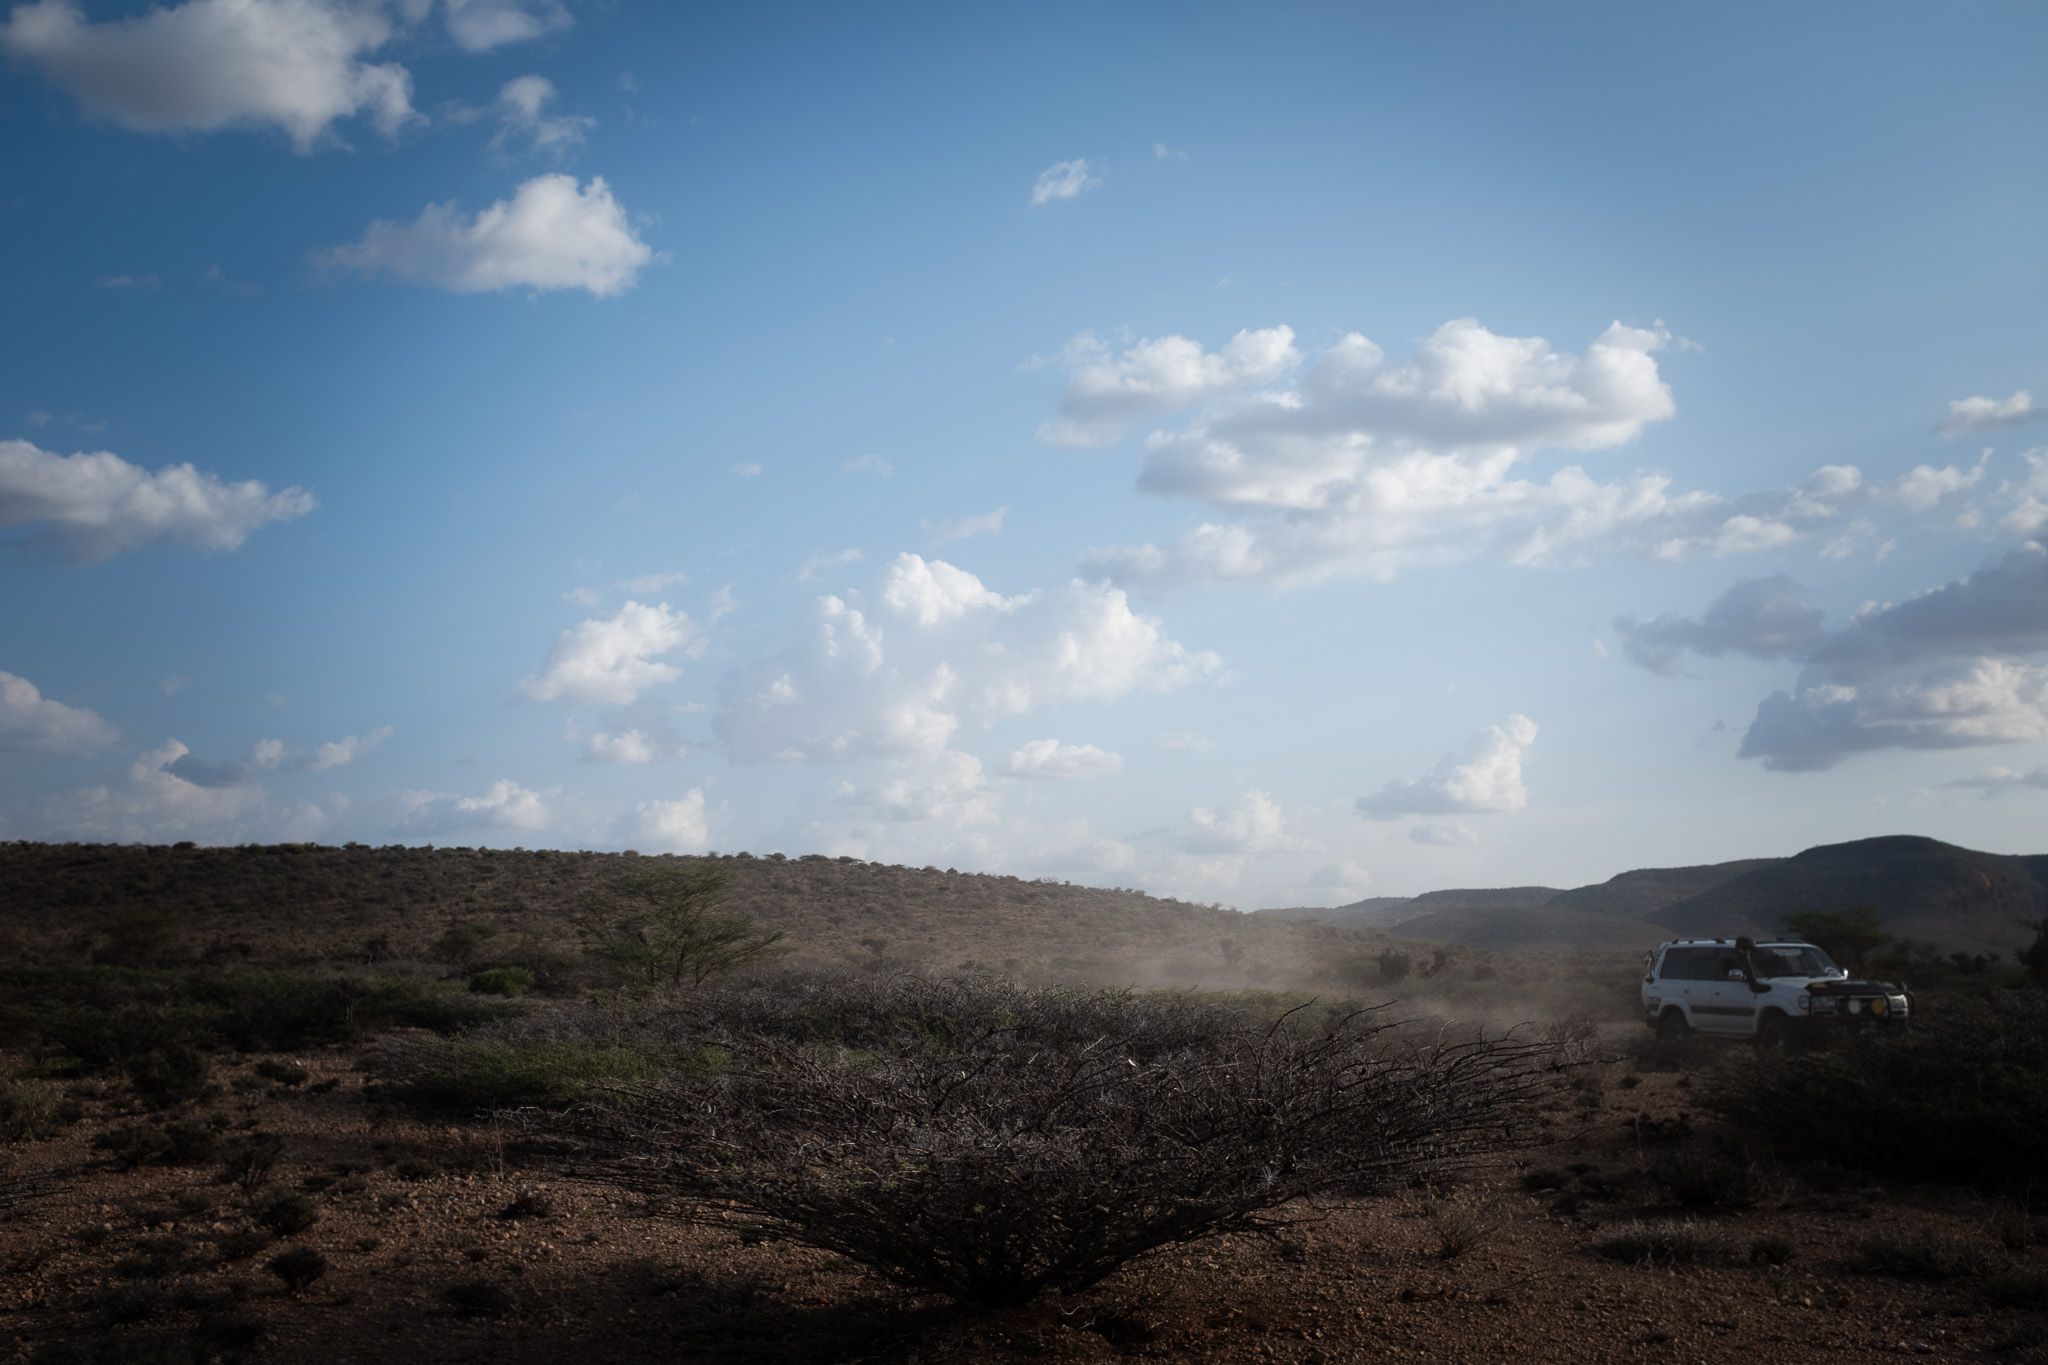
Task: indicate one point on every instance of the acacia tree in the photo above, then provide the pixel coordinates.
(2035, 957)
(993, 1142)
(663, 924)
(1848, 936)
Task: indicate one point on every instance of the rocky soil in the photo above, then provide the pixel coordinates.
(452, 1241)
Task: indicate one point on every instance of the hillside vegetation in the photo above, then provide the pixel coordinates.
(470, 909)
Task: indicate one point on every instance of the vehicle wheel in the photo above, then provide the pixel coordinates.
(1776, 1035)
(1672, 1028)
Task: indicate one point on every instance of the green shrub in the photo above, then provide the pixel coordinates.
(492, 1073)
(29, 1111)
(172, 1075)
(1961, 1100)
(511, 982)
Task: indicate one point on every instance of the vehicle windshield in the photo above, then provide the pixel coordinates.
(1792, 961)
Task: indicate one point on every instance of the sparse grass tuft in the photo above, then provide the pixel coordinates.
(1707, 1180)
(29, 1111)
(1667, 1242)
(1933, 1257)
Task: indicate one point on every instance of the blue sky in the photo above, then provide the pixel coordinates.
(1271, 455)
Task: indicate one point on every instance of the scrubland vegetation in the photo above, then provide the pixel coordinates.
(526, 1103)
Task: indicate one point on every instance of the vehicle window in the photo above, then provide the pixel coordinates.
(1689, 964)
(1793, 962)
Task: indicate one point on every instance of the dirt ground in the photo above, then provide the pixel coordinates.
(451, 1243)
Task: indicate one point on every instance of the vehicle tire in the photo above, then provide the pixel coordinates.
(1672, 1028)
(1776, 1034)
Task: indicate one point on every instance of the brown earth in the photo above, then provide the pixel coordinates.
(411, 1208)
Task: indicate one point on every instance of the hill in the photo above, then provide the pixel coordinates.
(1380, 912)
(1925, 890)
(1921, 888)
(1543, 929)
(1650, 889)
(306, 904)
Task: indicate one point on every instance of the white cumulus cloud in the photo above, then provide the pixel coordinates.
(939, 650)
(1063, 180)
(627, 746)
(1367, 467)
(503, 805)
(297, 65)
(1050, 758)
(479, 25)
(1991, 414)
(679, 826)
(948, 788)
(987, 523)
(614, 658)
(30, 721)
(521, 107)
(1252, 824)
(1485, 777)
(274, 755)
(156, 805)
(1104, 392)
(552, 234)
(94, 506)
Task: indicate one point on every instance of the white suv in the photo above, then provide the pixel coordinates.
(1778, 994)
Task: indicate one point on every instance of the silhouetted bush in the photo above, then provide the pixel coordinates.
(242, 1243)
(250, 1164)
(288, 1215)
(990, 1141)
(171, 1075)
(298, 1267)
(1962, 1099)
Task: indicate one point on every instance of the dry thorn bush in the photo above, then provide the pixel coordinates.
(992, 1142)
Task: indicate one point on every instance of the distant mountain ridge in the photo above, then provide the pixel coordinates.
(1921, 888)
